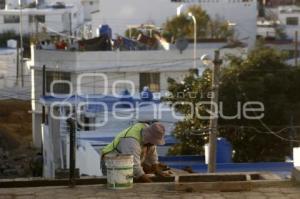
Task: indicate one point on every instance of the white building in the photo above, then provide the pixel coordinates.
(119, 14)
(83, 73)
(266, 28)
(11, 73)
(8, 67)
(285, 18)
(124, 70)
(55, 20)
(289, 17)
(70, 15)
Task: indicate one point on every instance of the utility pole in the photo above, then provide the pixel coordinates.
(296, 49)
(195, 38)
(21, 43)
(70, 20)
(44, 93)
(18, 64)
(36, 27)
(213, 126)
(72, 158)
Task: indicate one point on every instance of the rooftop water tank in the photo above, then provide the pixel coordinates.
(12, 43)
(105, 30)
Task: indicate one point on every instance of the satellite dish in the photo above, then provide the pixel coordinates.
(181, 44)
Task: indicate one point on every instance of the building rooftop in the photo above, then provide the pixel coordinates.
(36, 10)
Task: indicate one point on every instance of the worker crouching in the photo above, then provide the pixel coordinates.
(140, 141)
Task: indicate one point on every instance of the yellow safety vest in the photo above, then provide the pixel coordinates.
(131, 132)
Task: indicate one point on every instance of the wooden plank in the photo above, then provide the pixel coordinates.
(45, 183)
(212, 178)
(214, 186)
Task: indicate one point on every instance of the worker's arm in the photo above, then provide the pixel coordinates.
(132, 147)
(151, 156)
(152, 161)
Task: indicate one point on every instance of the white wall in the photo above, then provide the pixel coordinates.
(266, 31)
(289, 29)
(89, 6)
(56, 20)
(8, 64)
(119, 14)
(125, 61)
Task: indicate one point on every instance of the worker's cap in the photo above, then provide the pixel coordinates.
(154, 134)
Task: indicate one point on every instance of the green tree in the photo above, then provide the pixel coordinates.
(182, 26)
(190, 131)
(263, 77)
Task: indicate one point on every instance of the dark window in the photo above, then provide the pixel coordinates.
(58, 88)
(39, 18)
(294, 21)
(11, 19)
(151, 80)
(2, 4)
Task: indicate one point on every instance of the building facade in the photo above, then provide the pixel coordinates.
(120, 14)
(47, 15)
(110, 72)
(289, 17)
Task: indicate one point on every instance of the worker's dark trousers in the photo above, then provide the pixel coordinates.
(103, 167)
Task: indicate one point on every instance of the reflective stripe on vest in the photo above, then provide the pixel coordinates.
(131, 132)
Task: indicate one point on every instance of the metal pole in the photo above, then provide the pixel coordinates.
(70, 19)
(195, 38)
(72, 158)
(296, 49)
(195, 41)
(44, 93)
(21, 43)
(213, 126)
(18, 63)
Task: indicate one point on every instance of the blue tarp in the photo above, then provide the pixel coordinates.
(97, 103)
(196, 163)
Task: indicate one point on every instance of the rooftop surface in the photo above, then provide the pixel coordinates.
(144, 191)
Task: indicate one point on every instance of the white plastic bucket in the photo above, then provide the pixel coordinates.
(296, 155)
(119, 171)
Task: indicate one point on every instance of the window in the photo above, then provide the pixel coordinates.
(58, 88)
(294, 21)
(39, 18)
(2, 4)
(11, 19)
(151, 80)
(91, 3)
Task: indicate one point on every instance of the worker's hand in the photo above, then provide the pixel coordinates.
(159, 171)
(162, 174)
(143, 179)
(163, 167)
